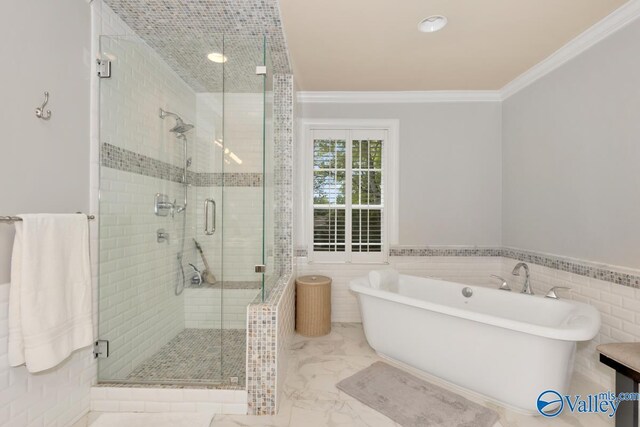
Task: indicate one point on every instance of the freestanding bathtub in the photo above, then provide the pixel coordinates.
(507, 346)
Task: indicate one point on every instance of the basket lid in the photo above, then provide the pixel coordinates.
(313, 280)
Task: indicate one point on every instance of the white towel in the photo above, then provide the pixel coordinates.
(50, 294)
(386, 280)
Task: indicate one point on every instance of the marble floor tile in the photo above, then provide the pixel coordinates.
(316, 365)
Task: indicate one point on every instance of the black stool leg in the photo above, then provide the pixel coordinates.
(627, 413)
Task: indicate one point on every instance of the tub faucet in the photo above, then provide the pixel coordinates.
(504, 286)
(526, 289)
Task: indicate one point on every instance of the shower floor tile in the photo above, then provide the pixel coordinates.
(197, 356)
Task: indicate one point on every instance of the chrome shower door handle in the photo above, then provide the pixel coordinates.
(209, 229)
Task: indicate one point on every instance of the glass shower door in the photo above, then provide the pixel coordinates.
(162, 326)
(186, 208)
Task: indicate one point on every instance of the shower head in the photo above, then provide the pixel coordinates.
(181, 127)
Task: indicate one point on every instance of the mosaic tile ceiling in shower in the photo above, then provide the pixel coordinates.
(183, 32)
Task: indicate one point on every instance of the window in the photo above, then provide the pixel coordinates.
(348, 200)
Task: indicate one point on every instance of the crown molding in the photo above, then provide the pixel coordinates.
(399, 97)
(613, 22)
(602, 29)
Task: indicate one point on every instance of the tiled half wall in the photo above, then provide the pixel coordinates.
(270, 324)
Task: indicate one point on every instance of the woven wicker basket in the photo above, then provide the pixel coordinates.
(313, 305)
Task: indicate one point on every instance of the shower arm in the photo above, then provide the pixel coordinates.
(164, 113)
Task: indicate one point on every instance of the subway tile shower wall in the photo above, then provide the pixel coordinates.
(241, 210)
(207, 308)
(138, 308)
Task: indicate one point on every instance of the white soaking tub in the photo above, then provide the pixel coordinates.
(507, 346)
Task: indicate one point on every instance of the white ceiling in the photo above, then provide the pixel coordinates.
(374, 45)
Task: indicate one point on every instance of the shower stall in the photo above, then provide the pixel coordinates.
(186, 207)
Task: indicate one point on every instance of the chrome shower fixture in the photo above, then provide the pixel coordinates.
(181, 127)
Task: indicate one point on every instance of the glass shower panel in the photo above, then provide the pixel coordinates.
(243, 183)
(157, 169)
(268, 166)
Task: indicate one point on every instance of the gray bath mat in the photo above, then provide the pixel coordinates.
(410, 401)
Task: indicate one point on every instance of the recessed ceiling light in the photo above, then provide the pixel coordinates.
(432, 24)
(217, 57)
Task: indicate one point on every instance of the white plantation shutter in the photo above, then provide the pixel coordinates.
(348, 195)
(329, 191)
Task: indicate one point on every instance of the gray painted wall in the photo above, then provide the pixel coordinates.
(571, 157)
(44, 166)
(450, 161)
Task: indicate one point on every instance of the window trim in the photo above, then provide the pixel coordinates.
(390, 180)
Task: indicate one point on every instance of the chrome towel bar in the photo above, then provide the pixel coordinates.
(12, 219)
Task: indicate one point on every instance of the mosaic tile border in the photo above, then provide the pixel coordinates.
(228, 179)
(283, 113)
(582, 268)
(445, 251)
(121, 159)
(430, 251)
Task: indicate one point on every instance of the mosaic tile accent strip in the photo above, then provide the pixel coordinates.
(228, 179)
(569, 265)
(125, 160)
(284, 97)
(197, 356)
(581, 268)
(122, 159)
(184, 32)
(445, 251)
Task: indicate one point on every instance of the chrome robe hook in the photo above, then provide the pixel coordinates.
(40, 113)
